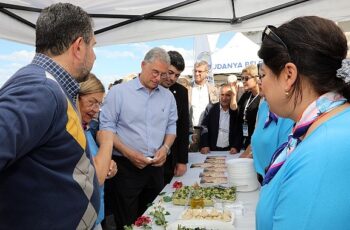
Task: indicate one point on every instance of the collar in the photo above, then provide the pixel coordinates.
(67, 82)
(271, 117)
(199, 86)
(222, 110)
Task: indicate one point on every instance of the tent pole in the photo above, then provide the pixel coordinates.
(269, 10)
(153, 15)
(233, 9)
(17, 7)
(146, 16)
(191, 19)
(18, 18)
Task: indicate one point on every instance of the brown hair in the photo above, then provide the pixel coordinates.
(59, 25)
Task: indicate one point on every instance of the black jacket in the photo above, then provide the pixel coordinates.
(252, 110)
(210, 127)
(179, 150)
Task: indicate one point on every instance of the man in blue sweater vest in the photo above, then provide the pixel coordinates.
(47, 178)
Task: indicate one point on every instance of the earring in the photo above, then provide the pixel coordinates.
(286, 93)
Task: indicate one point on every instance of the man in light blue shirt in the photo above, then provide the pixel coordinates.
(143, 117)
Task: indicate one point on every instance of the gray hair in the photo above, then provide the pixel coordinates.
(157, 54)
(59, 25)
(224, 85)
(200, 63)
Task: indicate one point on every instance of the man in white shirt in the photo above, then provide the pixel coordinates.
(217, 125)
(200, 94)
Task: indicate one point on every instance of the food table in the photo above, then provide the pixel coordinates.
(244, 220)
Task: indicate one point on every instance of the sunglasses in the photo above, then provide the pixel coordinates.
(246, 78)
(268, 32)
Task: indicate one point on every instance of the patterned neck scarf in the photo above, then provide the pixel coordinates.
(322, 105)
(270, 118)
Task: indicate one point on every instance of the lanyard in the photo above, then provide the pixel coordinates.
(249, 102)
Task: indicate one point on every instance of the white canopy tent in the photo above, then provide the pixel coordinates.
(238, 53)
(126, 21)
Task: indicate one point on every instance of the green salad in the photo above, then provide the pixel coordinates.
(181, 196)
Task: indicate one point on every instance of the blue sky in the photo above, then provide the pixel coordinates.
(112, 63)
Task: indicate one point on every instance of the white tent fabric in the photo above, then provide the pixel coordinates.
(152, 29)
(202, 50)
(238, 53)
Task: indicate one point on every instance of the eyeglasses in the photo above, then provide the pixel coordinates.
(156, 73)
(92, 103)
(268, 31)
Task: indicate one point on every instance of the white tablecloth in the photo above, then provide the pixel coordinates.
(248, 199)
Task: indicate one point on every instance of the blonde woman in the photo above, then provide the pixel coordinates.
(91, 94)
(247, 108)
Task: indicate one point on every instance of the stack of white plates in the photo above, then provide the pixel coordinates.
(241, 173)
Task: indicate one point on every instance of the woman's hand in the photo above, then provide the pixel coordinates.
(113, 169)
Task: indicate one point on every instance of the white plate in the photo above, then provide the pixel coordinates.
(219, 209)
(208, 224)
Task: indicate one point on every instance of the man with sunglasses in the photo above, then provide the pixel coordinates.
(178, 157)
(143, 117)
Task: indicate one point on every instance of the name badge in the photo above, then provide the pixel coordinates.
(245, 129)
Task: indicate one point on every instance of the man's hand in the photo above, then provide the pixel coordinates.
(138, 159)
(160, 157)
(180, 169)
(246, 155)
(194, 138)
(233, 151)
(205, 150)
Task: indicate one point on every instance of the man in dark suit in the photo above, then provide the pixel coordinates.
(175, 164)
(218, 124)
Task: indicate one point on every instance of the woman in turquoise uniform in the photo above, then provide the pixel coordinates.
(305, 77)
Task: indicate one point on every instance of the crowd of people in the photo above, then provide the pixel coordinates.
(72, 154)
